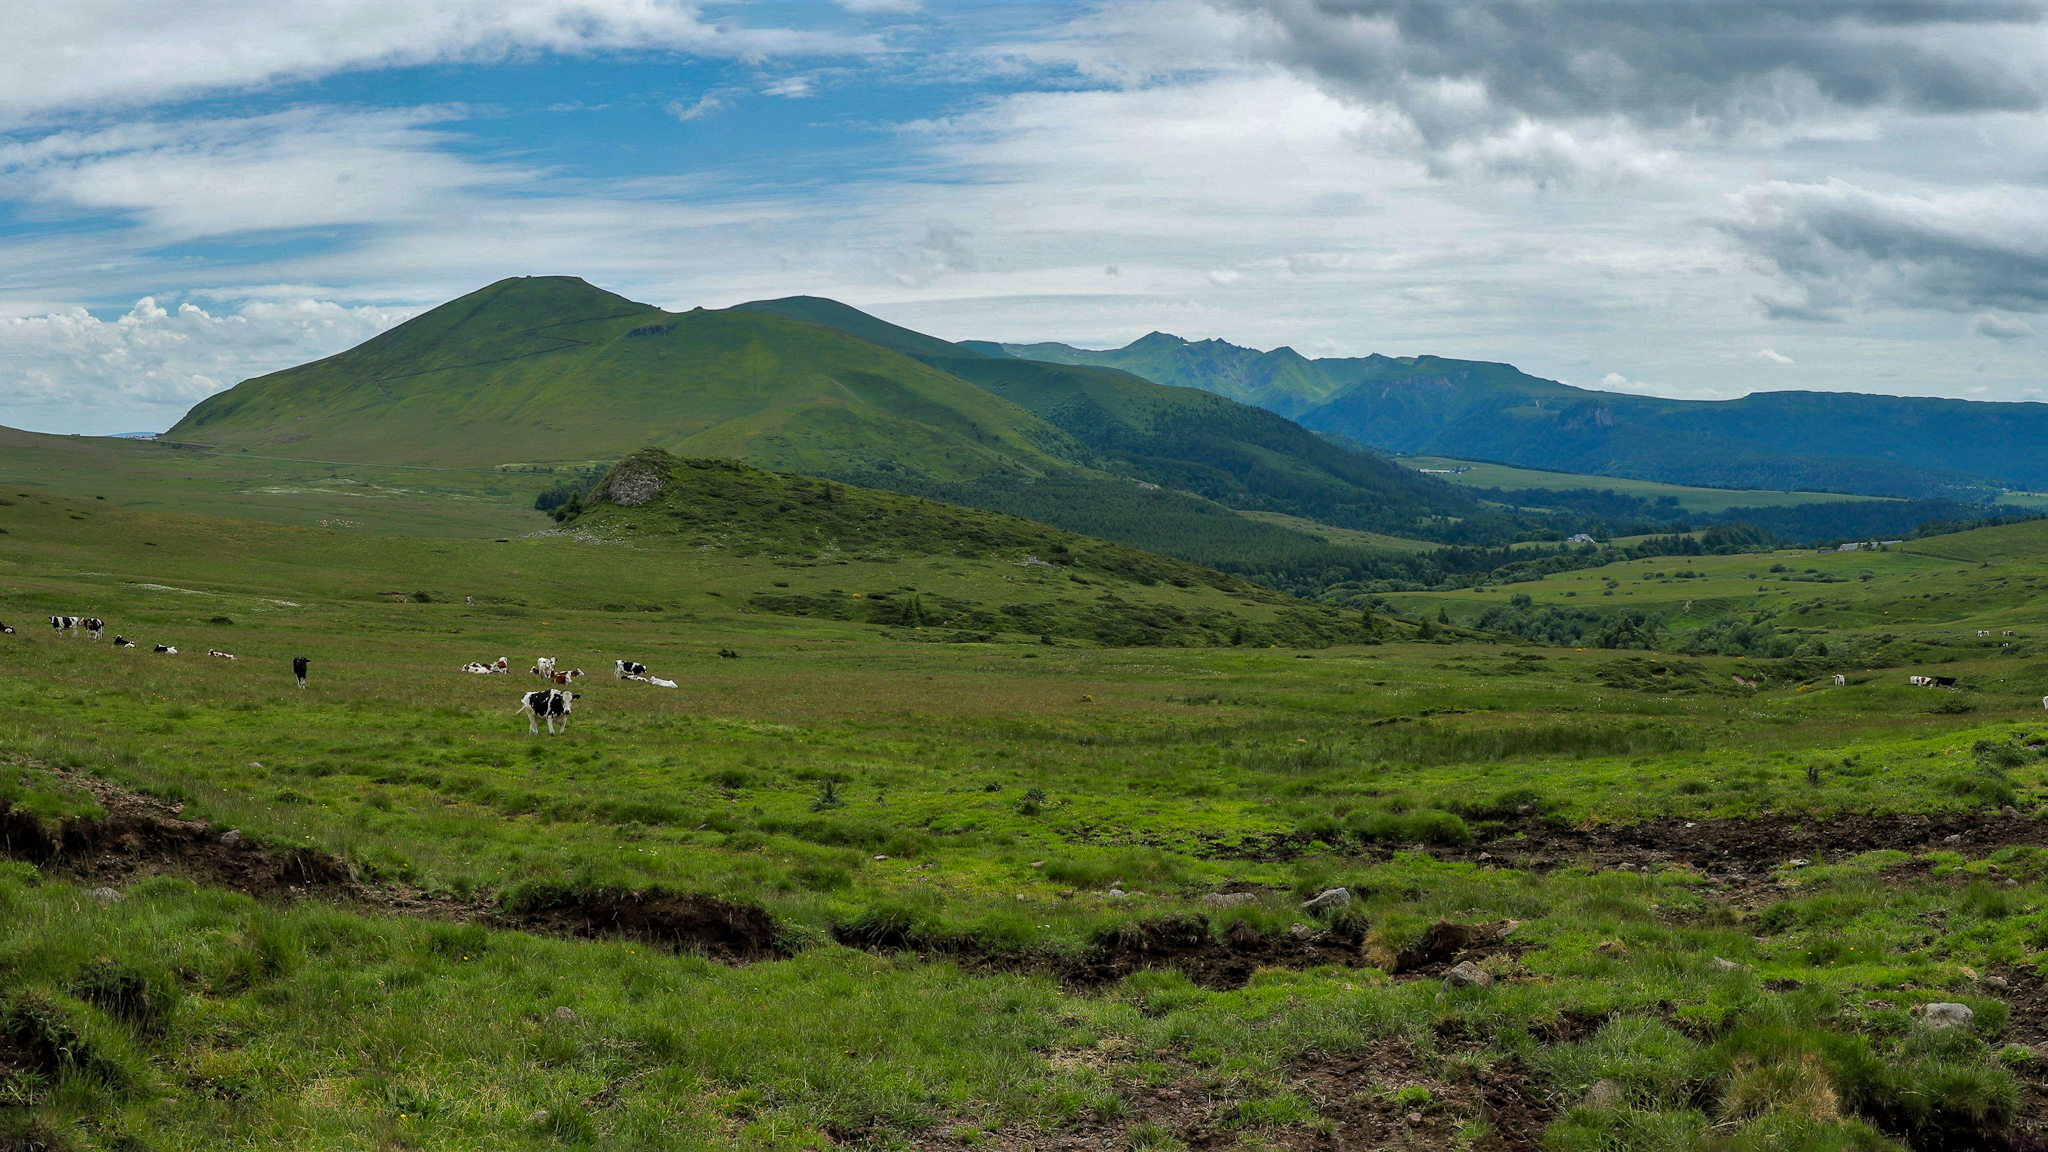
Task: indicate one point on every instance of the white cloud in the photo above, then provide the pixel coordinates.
(714, 101)
(140, 371)
(1773, 356)
(2001, 327)
(789, 87)
(881, 7)
(103, 53)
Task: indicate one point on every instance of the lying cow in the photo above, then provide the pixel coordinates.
(165, 649)
(123, 642)
(565, 676)
(1920, 681)
(543, 667)
(627, 669)
(477, 669)
(1983, 632)
(220, 654)
(6, 629)
(548, 704)
(93, 627)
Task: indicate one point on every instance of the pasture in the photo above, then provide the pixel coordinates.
(1704, 501)
(852, 886)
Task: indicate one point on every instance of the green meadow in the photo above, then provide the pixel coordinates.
(987, 853)
(1705, 501)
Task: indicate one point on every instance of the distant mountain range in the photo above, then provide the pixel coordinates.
(1828, 441)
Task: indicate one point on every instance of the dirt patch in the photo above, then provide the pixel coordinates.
(1731, 848)
(1444, 945)
(1385, 1099)
(721, 929)
(141, 836)
(1184, 943)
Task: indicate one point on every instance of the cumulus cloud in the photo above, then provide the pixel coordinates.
(1772, 356)
(97, 53)
(1847, 246)
(1485, 82)
(1998, 327)
(141, 370)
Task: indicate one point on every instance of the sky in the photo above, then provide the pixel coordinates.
(1696, 200)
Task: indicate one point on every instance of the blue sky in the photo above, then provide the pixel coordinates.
(1692, 200)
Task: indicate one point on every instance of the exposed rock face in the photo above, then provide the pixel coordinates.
(633, 481)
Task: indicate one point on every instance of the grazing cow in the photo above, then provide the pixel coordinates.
(299, 669)
(93, 627)
(1841, 681)
(1920, 681)
(220, 654)
(1944, 681)
(627, 669)
(123, 642)
(165, 649)
(548, 704)
(543, 667)
(1983, 631)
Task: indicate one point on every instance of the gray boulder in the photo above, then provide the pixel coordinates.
(1948, 1016)
(1467, 975)
(1327, 900)
(107, 895)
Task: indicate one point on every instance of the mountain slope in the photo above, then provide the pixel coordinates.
(551, 369)
(1848, 442)
(1189, 439)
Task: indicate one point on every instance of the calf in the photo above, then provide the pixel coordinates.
(628, 669)
(299, 669)
(93, 627)
(165, 649)
(220, 654)
(501, 665)
(548, 704)
(543, 667)
(1920, 681)
(123, 642)
(1841, 681)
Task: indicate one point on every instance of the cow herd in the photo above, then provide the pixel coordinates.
(549, 705)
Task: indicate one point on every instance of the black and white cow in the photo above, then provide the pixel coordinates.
(627, 668)
(548, 704)
(63, 624)
(93, 627)
(123, 642)
(299, 669)
(220, 654)
(165, 649)
(1841, 681)
(6, 629)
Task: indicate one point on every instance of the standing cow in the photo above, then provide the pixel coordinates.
(1841, 681)
(93, 627)
(299, 669)
(548, 704)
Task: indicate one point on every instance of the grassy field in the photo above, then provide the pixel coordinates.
(865, 883)
(1706, 501)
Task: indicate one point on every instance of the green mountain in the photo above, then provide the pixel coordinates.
(1843, 442)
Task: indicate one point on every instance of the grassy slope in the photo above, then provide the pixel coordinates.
(316, 1027)
(551, 369)
(1182, 438)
